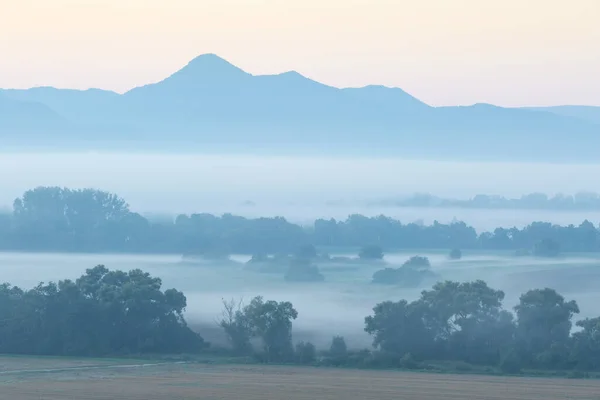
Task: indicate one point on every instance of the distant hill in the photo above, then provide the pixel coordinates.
(211, 104)
(587, 113)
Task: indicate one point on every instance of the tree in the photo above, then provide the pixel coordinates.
(338, 349)
(467, 318)
(236, 326)
(585, 352)
(272, 322)
(543, 327)
(372, 252)
(399, 328)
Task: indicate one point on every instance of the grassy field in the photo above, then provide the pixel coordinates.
(58, 379)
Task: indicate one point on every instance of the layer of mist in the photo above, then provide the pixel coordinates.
(334, 307)
(298, 188)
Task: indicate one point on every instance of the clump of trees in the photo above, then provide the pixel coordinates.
(411, 274)
(268, 321)
(466, 322)
(101, 313)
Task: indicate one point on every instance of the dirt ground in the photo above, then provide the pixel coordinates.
(55, 379)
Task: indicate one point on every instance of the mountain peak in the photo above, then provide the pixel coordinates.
(212, 66)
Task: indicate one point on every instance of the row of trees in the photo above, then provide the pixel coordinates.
(57, 219)
(101, 313)
(460, 322)
(112, 312)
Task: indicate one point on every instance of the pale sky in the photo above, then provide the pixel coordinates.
(445, 52)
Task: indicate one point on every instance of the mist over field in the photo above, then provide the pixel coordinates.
(303, 189)
(298, 188)
(334, 307)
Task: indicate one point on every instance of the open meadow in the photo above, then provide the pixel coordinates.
(59, 379)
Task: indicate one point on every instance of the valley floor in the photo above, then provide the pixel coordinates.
(28, 378)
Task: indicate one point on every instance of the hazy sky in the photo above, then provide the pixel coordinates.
(507, 52)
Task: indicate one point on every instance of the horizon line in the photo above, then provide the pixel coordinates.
(221, 59)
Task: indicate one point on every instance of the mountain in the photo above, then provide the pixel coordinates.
(26, 119)
(212, 105)
(587, 113)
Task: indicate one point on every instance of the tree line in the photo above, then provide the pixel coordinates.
(123, 313)
(88, 220)
(101, 313)
(452, 322)
(582, 201)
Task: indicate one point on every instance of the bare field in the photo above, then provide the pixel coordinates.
(195, 381)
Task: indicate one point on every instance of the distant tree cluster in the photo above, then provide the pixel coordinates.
(532, 201)
(57, 219)
(101, 313)
(411, 274)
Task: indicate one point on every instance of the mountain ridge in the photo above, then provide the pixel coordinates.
(210, 102)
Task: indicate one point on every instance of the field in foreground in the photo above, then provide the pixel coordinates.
(28, 379)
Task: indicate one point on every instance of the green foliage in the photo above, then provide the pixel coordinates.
(399, 328)
(585, 351)
(544, 325)
(103, 312)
